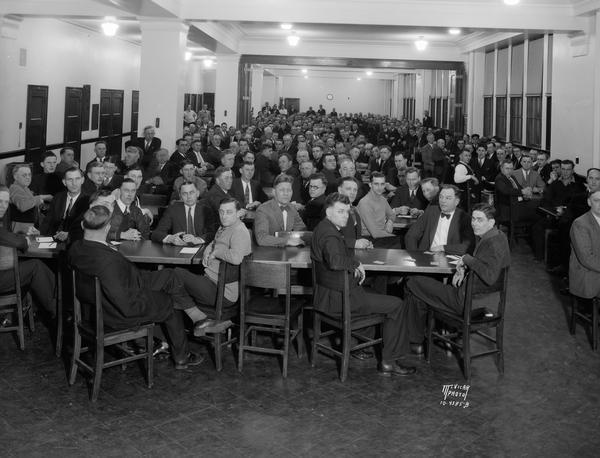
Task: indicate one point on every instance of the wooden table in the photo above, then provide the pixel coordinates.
(148, 252)
(393, 260)
(550, 211)
(404, 222)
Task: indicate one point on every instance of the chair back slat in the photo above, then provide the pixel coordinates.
(500, 286)
(265, 275)
(98, 312)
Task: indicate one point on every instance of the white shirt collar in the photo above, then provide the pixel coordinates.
(121, 205)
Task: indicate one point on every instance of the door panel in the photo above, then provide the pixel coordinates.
(72, 123)
(36, 121)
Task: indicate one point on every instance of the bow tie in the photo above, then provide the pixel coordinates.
(284, 208)
(445, 215)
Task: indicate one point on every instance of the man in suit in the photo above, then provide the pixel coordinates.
(529, 178)
(443, 227)
(188, 174)
(67, 160)
(199, 158)
(330, 171)
(266, 168)
(33, 273)
(352, 231)
(214, 151)
(47, 182)
(307, 168)
(560, 191)
(127, 221)
(180, 154)
(409, 199)
(160, 173)
(384, 163)
(94, 179)
(490, 256)
(277, 215)
(247, 190)
(313, 211)
(63, 221)
(332, 261)
(130, 160)
(111, 179)
(188, 222)
(393, 174)
(219, 191)
(149, 144)
(130, 296)
(584, 266)
(484, 169)
(509, 193)
(100, 150)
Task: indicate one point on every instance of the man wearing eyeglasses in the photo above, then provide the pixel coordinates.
(313, 212)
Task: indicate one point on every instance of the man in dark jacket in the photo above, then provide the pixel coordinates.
(332, 260)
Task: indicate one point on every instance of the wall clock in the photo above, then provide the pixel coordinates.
(329, 96)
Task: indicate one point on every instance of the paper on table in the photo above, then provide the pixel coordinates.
(115, 243)
(44, 239)
(189, 250)
(47, 245)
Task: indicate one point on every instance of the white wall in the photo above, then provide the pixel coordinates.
(61, 55)
(349, 95)
(573, 102)
(268, 90)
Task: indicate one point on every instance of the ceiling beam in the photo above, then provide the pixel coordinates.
(60, 8)
(220, 38)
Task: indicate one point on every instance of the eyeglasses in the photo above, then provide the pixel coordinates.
(312, 186)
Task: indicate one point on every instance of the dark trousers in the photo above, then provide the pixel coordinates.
(202, 289)
(169, 281)
(395, 326)
(424, 291)
(35, 277)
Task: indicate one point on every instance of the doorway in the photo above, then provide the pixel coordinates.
(72, 124)
(292, 105)
(35, 124)
(111, 119)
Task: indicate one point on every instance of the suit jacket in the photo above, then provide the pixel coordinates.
(332, 180)
(176, 159)
(487, 170)
(269, 219)
(114, 183)
(584, 265)
(46, 183)
(313, 212)
(490, 256)
(460, 240)
(54, 222)
(352, 231)
(332, 259)
(533, 179)
(383, 167)
(402, 198)
(126, 299)
(265, 170)
(122, 223)
(237, 191)
(214, 155)
(213, 198)
(88, 187)
(434, 162)
(148, 153)
(506, 194)
(175, 220)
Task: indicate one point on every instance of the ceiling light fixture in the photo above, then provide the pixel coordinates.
(511, 2)
(286, 26)
(293, 39)
(305, 77)
(109, 27)
(305, 71)
(358, 78)
(208, 63)
(369, 73)
(188, 55)
(454, 31)
(421, 44)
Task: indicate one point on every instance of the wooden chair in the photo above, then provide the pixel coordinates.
(593, 320)
(300, 286)
(469, 323)
(91, 328)
(345, 323)
(227, 273)
(12, 302)
(268, 314)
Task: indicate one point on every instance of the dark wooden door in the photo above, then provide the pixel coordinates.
(208, 99)
(111, 119)
(35, 125)
(292, 104)
(72, 125)
(135, 106)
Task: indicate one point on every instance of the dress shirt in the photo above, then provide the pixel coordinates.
(191, 212)
(284, 214)
(124, 208)
(246, 185)
(441, 232)
(72, 200)
(597, 218)
(461, 173)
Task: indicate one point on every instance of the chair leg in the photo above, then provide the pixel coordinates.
(595, 307)
(466, 351)
(76, 355)
(316, 337)
(21, 329)
(241, 344)
(345, 354)
(572, 324)
(500, 347)
(150, 357)
(218, 352)
(300, 336)
(30, 319)
(429, 346)
(97, 371)
(286, 348)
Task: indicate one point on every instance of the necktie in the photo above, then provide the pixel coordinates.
(513, 182)
(246, 193)
(412, 194)
(445, 215)
(527, 177)
(69, 205)
(190, 223)
(284, 211)
(126, 212)
(480, 162)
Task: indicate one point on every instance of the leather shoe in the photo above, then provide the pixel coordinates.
(417, 349)
(193, 359)
(389, 369)
(208, 326)
(362, 355)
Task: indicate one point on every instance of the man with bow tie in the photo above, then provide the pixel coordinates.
(127, 221)
(277, 215)
(443, 227)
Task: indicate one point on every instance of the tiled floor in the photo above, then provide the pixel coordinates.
(547, 403)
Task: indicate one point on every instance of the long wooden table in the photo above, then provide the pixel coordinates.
(404, 222)
(376, 259)
(146, 251)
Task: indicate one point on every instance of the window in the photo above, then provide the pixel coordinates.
(444, 112)
(548, 121)
(487, 116)
(501, 118)
(516, 119)
(534, 121)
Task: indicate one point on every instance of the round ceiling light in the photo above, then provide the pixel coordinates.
(109, 27)
(293, 39)
(286, 26)
(511, 2)
(369, 73)
(421, 44)
(454, 31)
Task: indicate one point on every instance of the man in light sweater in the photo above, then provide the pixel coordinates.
(231, 244)
(377, 215)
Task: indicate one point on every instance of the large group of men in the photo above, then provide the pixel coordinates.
(344, 177)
